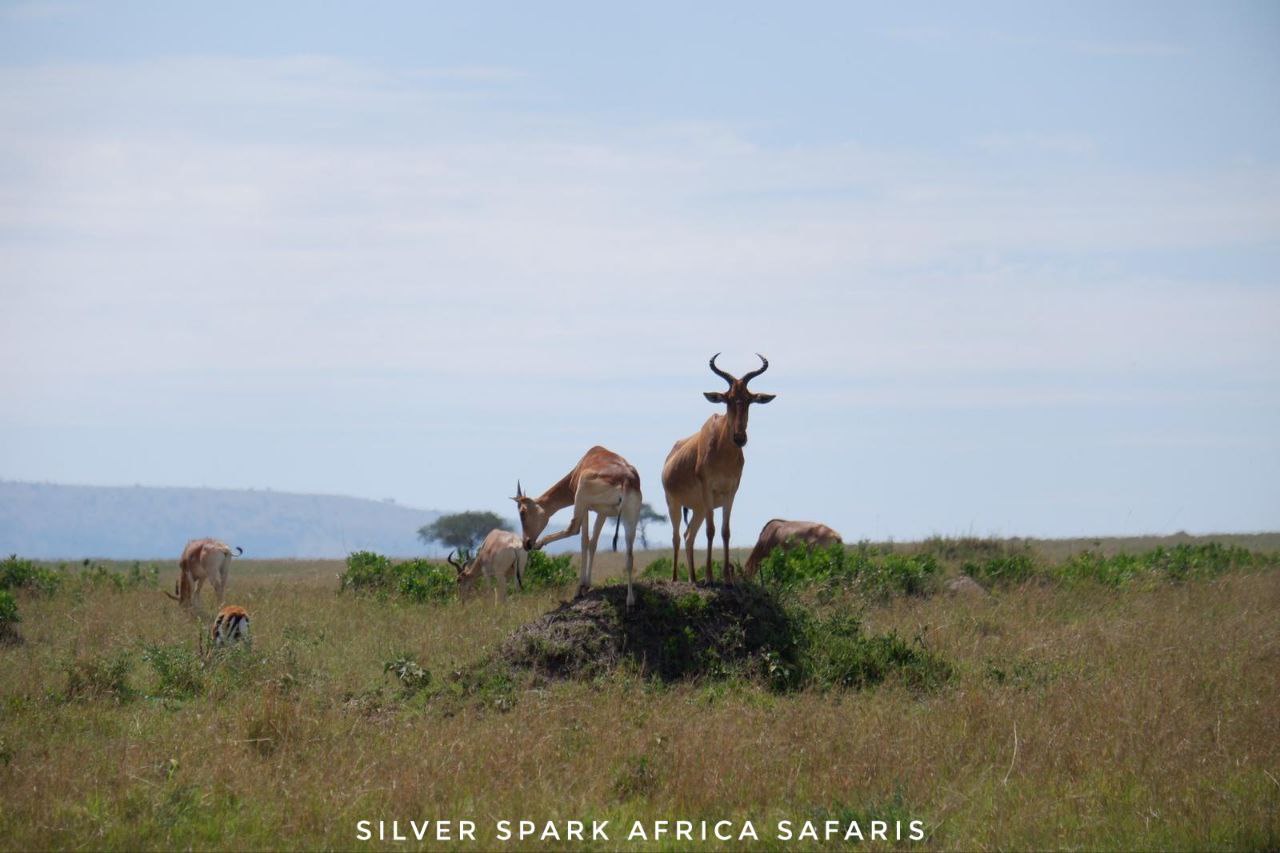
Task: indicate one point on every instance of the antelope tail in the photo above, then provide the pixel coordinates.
(685, 511)
(618, 521)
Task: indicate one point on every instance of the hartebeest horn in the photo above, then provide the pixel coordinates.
(718, 372)
(519, 493)
(764, 365)
(451, 562)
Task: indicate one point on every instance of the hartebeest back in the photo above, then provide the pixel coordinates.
(602, 482)
(703, 471)
(501, 556)
(201, 560)
(778, 533)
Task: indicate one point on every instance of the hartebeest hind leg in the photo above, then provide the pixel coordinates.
(673, 511)
(590, 556)
(690, 540)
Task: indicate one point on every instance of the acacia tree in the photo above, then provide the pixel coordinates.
(462, 530)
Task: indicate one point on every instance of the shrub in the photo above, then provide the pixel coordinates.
(366, 572)
(546, 572)
(24, 574)
(416, 580)
(408, 674)
(99, 575)
(1001, 571)
(658, 570)
(874, 573)
(838, 655)
(972, 548)
(177, 668)
(99, 677)
(9, 617)
(1112, 571)
(423, 580)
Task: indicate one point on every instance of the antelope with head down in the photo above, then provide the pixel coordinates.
(230, 626)
(702, 471)
(602, 482)
(778, 533)
(501, 556)
(201, 560)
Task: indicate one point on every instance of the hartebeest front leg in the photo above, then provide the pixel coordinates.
(571, 530)
(673, 511)
(711, 526)
(724, 537)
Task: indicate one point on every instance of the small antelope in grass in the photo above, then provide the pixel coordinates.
(501, 556)
(231, 625)
(201, 560)
(779, 533)
(702, 471)
(602, 482)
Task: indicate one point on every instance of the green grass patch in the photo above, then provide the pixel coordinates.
(872, 572)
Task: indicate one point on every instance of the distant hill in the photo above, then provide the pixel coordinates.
(46, 521)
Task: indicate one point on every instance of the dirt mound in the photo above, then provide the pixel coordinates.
(673, 631)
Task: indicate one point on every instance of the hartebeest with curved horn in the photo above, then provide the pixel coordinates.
(602, 482)
(501, 556)
(702, 471)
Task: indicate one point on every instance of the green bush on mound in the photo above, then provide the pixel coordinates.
(878, 574)
(678, 631)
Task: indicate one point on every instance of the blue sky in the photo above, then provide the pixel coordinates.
(1016, 266)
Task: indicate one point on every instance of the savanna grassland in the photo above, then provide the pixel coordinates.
(1101, 701)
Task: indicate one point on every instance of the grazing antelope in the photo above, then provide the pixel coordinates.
(778, 533)
(602, 482)
(501, 555)
(231, 625)
(702, 471)
(201, 560)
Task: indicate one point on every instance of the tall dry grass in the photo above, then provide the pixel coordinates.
(1079, 717)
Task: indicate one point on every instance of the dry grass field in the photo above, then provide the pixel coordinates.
(1079, 716)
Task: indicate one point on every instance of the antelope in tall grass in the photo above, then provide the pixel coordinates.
(201, 560)
(602, 482)
(778, 533)
(703, 471)
(501, 556)
(231, 625)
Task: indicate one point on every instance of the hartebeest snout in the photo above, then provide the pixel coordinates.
(602, 482)
(778, 533)
(501, 556)
(703, 471)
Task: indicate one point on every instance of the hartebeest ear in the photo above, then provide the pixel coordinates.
(715, 396)
(762, 398)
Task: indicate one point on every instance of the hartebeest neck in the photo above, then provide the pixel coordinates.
(559, 496)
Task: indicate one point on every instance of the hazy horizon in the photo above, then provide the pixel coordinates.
(1016, 269)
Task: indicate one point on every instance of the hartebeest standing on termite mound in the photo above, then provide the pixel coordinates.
(201, 560)
(702, 471)
(501, 556)
(602, 482)
(778, 533)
